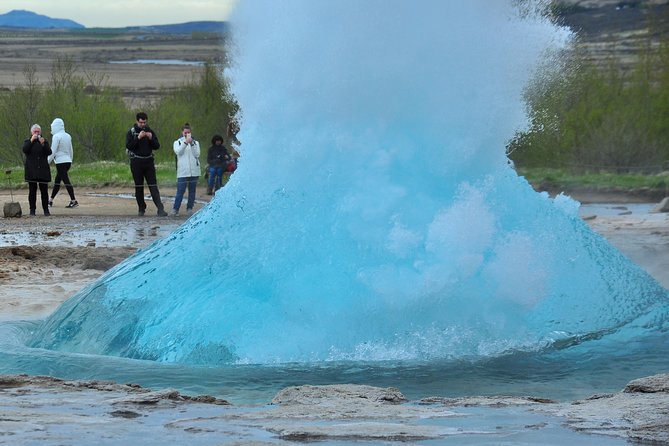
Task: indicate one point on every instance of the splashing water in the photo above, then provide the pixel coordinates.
(374, 216)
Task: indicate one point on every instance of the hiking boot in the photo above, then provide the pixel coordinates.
(32, 212)
(174, 213)
(189, 211)
(47, 213)
(210, 191)
(162, 213)
(73, 204)
(140, 213)
(51, 202)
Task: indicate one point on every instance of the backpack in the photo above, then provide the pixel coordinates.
(128, 153)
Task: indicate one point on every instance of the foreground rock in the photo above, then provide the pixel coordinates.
(12, 209)
(639, 413)
(49, 411)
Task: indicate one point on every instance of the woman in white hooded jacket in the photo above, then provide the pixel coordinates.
(187, 151)
(61, 155)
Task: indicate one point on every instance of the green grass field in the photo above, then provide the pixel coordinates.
(98, 174)
(563, 178)
(114, 173)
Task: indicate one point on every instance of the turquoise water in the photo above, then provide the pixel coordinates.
(557, 375)
(374, 232)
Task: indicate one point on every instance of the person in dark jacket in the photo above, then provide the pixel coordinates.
(217, 158)
(140, 142)
(37, 171)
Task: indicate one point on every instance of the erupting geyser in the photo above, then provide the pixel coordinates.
(374, 215)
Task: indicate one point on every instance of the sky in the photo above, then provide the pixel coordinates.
(121, 13)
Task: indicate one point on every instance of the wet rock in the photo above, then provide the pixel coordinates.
(25, 252)
(9, 381)
(348, 412)
(311, 395)
(208, 399)
(12, 209)
(125, 414)
(651, 384)
(640, 412)
(148, 398)
(486, 401)
(362, 432)
(51, 412)
(657, 434)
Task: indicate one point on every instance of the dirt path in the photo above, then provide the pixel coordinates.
(108, 201)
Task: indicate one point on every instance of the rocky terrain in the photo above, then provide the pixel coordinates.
(615, 30)
(51, 411)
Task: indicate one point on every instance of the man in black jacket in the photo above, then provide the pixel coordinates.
(140, 142)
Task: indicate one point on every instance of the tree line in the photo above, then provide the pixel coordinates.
(97, 117)
(585, 116)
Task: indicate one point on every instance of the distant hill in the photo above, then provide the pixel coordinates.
(26, 19)
(30, 20)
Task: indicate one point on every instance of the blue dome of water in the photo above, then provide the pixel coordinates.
(374, 215)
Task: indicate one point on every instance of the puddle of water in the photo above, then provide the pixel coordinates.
(98, 233)
(158, 62)
(615, 209)
(146, 197)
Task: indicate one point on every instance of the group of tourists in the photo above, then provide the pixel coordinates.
(141, 141)
(39, 154)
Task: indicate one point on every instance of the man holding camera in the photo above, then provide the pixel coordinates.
(140, 142)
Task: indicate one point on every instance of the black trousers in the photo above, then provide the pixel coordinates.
(145, 169)
(61, 175)
(32, 195)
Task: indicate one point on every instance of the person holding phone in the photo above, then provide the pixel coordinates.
(140, 142)
(187, 151)
(36, 168)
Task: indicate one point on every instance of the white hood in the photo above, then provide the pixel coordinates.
(57, 126)
(61, 144)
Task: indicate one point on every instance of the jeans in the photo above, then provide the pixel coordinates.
(215, 173)
(182, 183)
